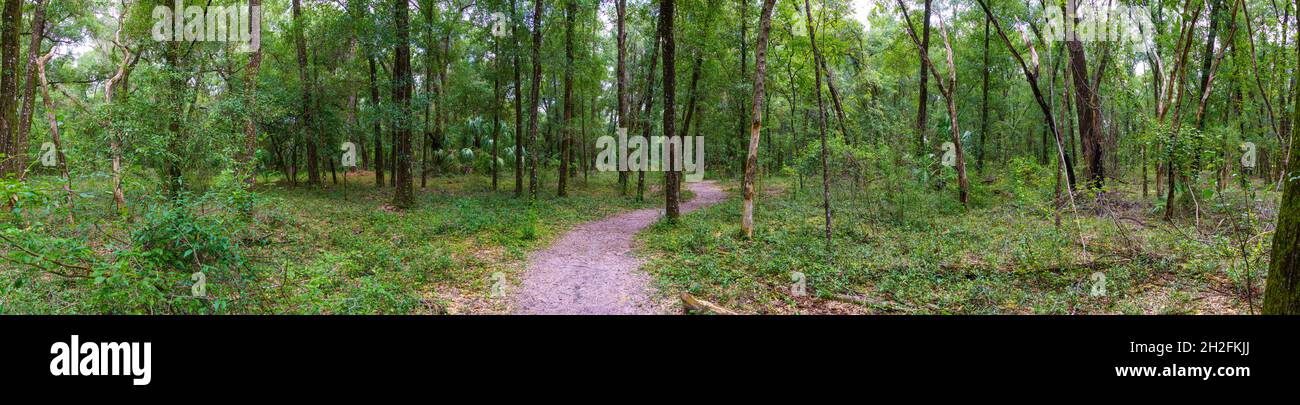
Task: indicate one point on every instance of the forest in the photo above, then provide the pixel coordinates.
(649, 157)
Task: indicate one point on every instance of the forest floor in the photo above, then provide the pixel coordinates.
(342, 249)
(591, 269)
(923, 253)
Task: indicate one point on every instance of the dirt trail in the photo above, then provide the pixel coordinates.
(591, 269)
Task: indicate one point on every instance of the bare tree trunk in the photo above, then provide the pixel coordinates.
(672, 205)
(19, 145)
(984, 105)
(496, 108)
(566, 136)
(1282, 291)
(250, 94)
(648, 99)
(13, 160)
(756, 124)
(515, 23)
(403, 195)
(379, 133)
(621, 71)
(922, 99)
(54, 129)
(946, 89)
(535, 97)
(313, 156)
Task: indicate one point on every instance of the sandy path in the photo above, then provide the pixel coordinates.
(591, 269)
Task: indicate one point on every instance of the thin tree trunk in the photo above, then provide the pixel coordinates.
(621, 71)
(922, 99)
(566, 137)
(13, 160)
(378, 131)
(756, 124)
(535, 97)
(403, 195)
(672, 208)
(19, 145)
(254, 67)
(313, 156)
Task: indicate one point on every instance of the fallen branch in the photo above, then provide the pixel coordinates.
(693, 304)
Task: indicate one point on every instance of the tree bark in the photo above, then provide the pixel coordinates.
(672, 206)
(300, 42)
(621, 71)
(29, 89)
(250, 94)
(756, 124)
(922, 99)
(13, 160)
(566, 136)
(378, 131)
(534, 98)
(1282, 290)
(403, 195)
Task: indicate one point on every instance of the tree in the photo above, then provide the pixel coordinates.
(12, 159)
(313, 155)
(1282, 291)
(19, 145)
(515, 23)
(566, 138)
(250, 94)
(922, 99)
(821, 125)
(756, 123)
(1087, 103)
(621, 71)
(946, 88)
(671, 186)
(534, 98)
(403, 195)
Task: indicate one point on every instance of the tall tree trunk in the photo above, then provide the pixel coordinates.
(403, 195)
(496, 108)
(621, 71)
(534, 98)
(946, 89)
(250, 94)
(671, 193)
(566, 136)
(821, 121)
(756, 123)
(54, 130)
(13, 160)
(515, 23)
(741, 119)
(922, 99)
(313, 155)
(426, 10)
(378, 131)
(29, 89)
(119, 81)
(1087, 105)
(1282, 291)
(984, 105)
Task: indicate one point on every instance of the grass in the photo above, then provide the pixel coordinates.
(921, 252)
(340, 249)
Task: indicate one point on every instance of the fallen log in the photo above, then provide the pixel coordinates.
(692, 304)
